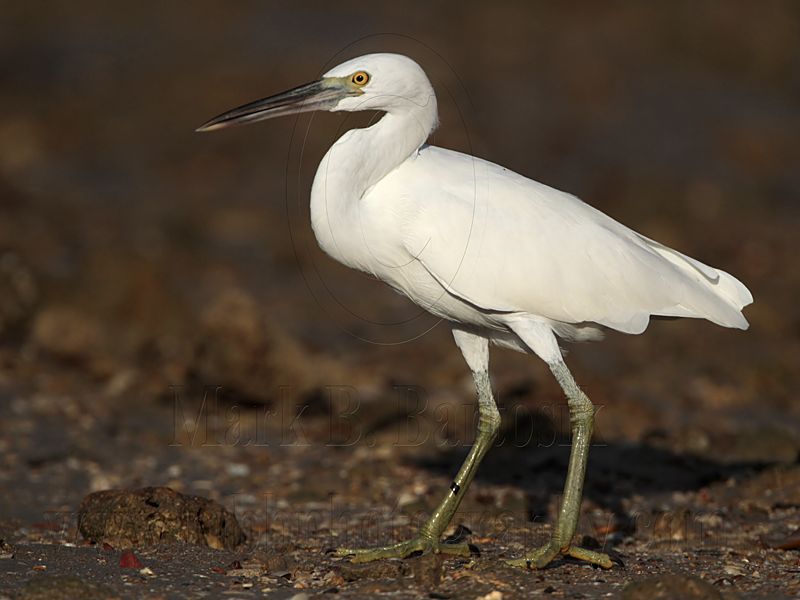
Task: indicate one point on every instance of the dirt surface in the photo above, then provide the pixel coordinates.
(167, 320)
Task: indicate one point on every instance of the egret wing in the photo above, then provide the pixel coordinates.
(504, 243)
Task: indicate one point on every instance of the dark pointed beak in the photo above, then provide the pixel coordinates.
(319, 95)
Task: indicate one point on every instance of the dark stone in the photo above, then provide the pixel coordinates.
(6, 549)
(133, 518)
(671, 587)
(782, 542)
(63, 587)
(20, 292)
(427, 570)
(276, 562)
(380, 569)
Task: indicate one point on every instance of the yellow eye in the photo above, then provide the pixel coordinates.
(360, 78)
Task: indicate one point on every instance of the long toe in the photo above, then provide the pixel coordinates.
(454, 549)
(543, 556)
(591, 556)
(401, 550)
(538, 558)
(405, 549)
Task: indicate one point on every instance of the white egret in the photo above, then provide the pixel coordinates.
(502, 258)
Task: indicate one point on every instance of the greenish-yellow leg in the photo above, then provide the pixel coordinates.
(582, 422)
(427, 540)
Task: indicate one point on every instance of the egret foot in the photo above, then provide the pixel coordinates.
(543, 556)
(419, 544)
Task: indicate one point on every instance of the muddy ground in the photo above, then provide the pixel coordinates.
(167, 320)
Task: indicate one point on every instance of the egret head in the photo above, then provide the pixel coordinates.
(388, 82)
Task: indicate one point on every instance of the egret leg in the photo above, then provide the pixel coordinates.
(581, 412)
(475, 349)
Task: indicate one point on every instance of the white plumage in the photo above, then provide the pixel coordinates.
(501, 257)
(478, 244)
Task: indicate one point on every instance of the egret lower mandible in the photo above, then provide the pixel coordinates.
(502, 258)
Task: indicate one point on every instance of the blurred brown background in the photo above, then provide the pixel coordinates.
(681, 121)
(136, 255)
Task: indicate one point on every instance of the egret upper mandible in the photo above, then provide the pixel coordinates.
(502, 258)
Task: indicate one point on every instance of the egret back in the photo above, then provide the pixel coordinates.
(504, 243)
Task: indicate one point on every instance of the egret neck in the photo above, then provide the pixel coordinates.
(357, 161)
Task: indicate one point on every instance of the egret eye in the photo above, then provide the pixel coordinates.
(360, 78)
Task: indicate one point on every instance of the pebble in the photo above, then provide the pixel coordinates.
(427, 570)
(669, 587)
(734, 570)
(238, 470)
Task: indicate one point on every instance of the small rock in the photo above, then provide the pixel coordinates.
(248, 572)
(66, 333)
(6, 550)
(734, 570)
(381, 569)
(237, 470)
(671, 587)
(61, 587)
(494, 595)
(274, 562)
(132, 518)
(680, 525)
(427, 570)
(332, 579)
(128, 560)
(19, 292)
(787, 542)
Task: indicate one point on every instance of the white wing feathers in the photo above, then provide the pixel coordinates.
(505, 243)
